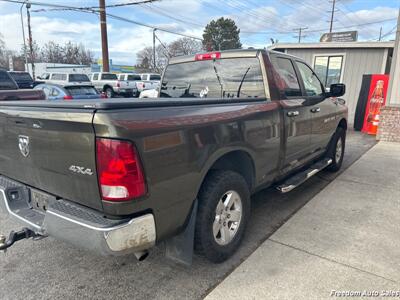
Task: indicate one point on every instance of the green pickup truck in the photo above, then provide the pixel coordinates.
(120, 176)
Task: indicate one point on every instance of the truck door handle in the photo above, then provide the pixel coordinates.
(292, 113)
(315, 110)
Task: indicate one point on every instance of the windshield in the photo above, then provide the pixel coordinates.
(78, 77)
(21, 76)
(109, 77)
(81, 90)
(225, 78)
(134, 78)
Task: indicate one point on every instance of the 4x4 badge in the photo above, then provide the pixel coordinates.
(23, 143)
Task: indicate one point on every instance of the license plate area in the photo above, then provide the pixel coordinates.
(40, 201)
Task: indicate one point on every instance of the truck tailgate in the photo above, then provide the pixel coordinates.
(51, 149)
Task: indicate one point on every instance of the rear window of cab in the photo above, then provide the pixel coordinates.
(214, 78)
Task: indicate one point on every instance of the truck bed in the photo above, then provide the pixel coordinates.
(106, 104)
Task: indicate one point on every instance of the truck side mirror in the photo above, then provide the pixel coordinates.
(337, 90)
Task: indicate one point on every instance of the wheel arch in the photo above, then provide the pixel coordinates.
(342, 124)
(105, 87)
(237, 160)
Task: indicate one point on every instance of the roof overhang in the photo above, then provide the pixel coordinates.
(332, 45)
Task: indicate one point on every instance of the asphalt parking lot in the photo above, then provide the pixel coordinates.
(50, 269)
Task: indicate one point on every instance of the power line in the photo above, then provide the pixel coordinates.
(344, 27)
(300, 30)
(90, 10)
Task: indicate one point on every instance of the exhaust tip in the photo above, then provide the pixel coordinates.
(142, 255)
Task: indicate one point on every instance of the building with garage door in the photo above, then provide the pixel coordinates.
(344, 62)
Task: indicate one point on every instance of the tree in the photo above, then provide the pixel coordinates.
(145, 59)
(185, 46)
(221, 34)
(69, 53)
(3, 56)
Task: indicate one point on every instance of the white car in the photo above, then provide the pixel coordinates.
(149, 94)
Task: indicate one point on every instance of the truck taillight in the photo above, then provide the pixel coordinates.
(68, 97)
(120, 173)
(208, 56)
(118, 84)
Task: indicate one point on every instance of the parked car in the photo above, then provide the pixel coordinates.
(149, 81)
(133, 79)
(9, 89)
(111, 86)
(149, 94)
(65, 78)
(24, 80)
(120, 176)
(69, 92)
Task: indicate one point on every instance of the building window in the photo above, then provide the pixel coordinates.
(329, 68)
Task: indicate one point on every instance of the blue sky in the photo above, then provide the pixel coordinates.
(259, 21)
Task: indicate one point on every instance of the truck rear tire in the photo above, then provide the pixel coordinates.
(336, 149)
(109, 92)
(223, 213)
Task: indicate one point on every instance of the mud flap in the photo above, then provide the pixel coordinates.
(180, 247)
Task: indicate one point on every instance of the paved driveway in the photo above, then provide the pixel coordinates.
(50, 269)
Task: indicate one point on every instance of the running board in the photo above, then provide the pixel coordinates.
(297, 179)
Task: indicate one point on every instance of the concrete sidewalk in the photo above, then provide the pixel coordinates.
(346, 239)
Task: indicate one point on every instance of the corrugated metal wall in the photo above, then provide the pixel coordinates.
(357, 63)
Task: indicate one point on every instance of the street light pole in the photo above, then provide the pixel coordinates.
(154, 48)
(23, 36)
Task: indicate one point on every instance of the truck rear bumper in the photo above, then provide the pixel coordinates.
(76, 224)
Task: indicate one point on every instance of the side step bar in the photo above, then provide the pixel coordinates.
(297, 179)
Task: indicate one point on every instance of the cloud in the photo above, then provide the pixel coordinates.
(277, 20)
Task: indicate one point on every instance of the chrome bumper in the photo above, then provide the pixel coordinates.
(79, 225)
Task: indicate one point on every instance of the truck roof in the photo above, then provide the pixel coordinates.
(237, 53)
(224, 54)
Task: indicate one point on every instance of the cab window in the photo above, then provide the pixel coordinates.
(312, 85)
(285, 77)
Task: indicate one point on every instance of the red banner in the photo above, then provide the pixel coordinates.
(376, 99)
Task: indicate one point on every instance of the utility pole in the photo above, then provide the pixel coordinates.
(154, 48)
(380, 34)
(104, 39)
(30, 40)
(394, 83)
(301, 35)
(332, 15)
(23, 37)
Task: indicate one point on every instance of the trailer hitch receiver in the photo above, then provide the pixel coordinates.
(24, 233)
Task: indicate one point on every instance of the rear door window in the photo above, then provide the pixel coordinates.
(109, 77)
(58, 77)
(155, 77)
(78, 78)
(285, 77)
(134, 78)
(223, 78)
